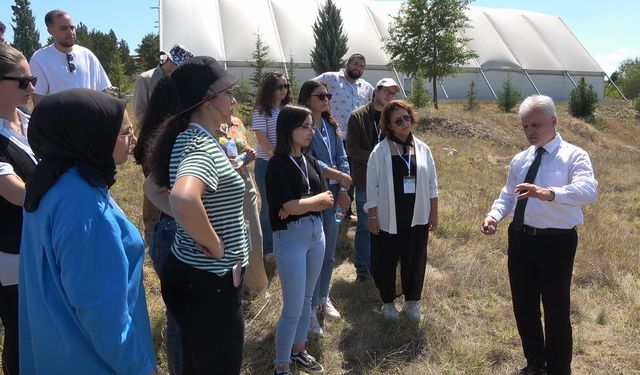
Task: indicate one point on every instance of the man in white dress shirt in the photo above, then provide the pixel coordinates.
(546, 187)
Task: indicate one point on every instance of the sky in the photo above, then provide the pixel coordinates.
(607, 29)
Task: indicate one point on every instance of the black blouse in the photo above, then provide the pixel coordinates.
(285, 182)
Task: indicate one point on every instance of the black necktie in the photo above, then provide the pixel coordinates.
(518, 215)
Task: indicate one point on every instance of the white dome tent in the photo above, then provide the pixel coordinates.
(538, 51)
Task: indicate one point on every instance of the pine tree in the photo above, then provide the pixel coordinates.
(583, 100)
(331, 42)
(26, 37)
(419, 95)
(293, 81)
(472, 97)
(261, 62)
(118, 76)
(509, 96)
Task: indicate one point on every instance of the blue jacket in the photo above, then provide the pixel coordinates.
(319, 150)
(82, 303)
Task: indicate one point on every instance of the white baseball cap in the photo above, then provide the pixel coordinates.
(387, 82)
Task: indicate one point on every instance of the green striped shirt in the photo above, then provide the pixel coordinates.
(196, 154)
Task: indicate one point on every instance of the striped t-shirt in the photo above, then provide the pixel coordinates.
(196, 154)
(268, 125)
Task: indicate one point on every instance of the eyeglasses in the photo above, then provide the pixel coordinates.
(308, 128)
(72, 66)
(23, 82)
(402, 119)
(285, 86)
(323, 96)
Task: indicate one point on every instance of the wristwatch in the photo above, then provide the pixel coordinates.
(343, 189)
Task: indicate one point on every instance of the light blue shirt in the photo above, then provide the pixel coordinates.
(328, 149)
(82, 303)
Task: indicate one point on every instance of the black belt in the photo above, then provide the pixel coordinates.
(546, 231)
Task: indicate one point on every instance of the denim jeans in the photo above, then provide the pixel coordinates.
(330, 228)
(260, 170)
(299, 252)
(362, 254)
(164, 230)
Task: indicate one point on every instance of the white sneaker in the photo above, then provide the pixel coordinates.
(314, 324)
(412, 311)
(329, 311)
(389, 311)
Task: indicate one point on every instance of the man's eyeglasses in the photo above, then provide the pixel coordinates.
(23, 82)
(323, 96)
(72, 66)
(285, 86)
(402, 119)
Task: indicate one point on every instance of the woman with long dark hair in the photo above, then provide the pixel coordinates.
(297, 195)
(159, 227)
(328, 150)
(82, 300)
(201, 279)
(16, 162)
(274, 93)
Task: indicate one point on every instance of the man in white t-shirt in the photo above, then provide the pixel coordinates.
(64, 65)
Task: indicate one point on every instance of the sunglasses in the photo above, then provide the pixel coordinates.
(72, 66)
(402, 119)
(323, 96)
(23, 82)
(285, 86)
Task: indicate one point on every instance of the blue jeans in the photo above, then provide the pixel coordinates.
(330, 228)
(299, 251)
(362, 255)
(260, 171)
(164, 230)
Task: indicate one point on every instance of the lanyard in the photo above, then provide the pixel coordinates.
(408, 163)
(304, 173)
(326, 141)
(200, 127)
(377, 128)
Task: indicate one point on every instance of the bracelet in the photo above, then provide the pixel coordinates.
(372, 217)
(343, 189)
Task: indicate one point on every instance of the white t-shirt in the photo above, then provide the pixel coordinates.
(52, 69)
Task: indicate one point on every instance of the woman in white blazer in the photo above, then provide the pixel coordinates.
(402, 202)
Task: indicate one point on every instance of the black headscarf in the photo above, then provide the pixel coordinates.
(405, 144)
(77, 127)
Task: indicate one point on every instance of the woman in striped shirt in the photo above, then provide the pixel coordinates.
(274, 93)
(202, 277)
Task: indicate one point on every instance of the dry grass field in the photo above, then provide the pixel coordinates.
(468, 326)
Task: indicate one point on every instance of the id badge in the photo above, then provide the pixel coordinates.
(232, 149)
(409, 184)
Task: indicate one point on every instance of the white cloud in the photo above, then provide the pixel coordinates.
(609, 62)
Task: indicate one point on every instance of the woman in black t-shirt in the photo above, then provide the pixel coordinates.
(16, 162)
(296, 195)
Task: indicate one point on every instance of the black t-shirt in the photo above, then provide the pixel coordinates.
(285, 182)
(377, 135)
(10, 214)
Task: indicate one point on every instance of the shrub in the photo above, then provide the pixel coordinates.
(509, 96)
(636, 104)
(472, 97)
(419, 95)
(583, 100)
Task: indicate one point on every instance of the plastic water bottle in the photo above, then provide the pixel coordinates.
(239, 160)
(339, 215)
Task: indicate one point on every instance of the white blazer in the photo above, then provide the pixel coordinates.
(380, 191)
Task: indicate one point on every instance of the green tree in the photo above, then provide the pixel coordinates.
(419, 95)
(26, 37)
(472, 97)
(127, 59)
(148, 51)
(629, 77)
(424, 40)
(330, 40)
(293, 81)
(123, 84)
(260, 61)
(509, 96)
(583, 100)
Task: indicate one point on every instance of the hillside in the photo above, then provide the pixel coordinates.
(468, 326)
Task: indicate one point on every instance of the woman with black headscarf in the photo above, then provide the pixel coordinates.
(82, 303)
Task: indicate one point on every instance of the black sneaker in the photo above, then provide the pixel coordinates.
(306, 363)
(282, 372)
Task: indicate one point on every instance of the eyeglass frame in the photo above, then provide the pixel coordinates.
(402, 119)
(23, 82)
